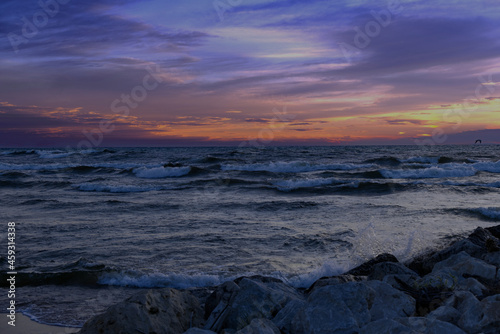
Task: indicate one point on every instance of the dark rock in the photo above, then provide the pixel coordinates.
(424, 264)
(380, 270)
(283, 320)
(222, 293)
(344, 308)
(480, 237)
(161, 311)
(333, 280)
(492, 245)
(366, 268)
(245, 299)
(495, 231)
(260, 326)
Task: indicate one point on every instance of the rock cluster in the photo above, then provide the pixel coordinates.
(454, 290)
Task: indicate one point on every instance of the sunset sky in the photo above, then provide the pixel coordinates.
(223, 72)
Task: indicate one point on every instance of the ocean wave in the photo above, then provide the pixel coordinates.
(47, 167)
(53, 154)
(32, 184)
(17, 152)
(292, 167)
(422, 160)
(492, 213)
(492, 167)
(431, 172)
(161, 172)
(158, 280)
(384, 161)
(289, 185)
(118, 188)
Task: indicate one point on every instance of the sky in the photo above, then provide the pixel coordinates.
(248, 72)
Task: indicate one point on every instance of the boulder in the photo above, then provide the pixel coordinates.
(494, 230)
(335, 309)
(247, 299)
(424, 264)
(445, 313)
(366, 268)
(470, 309)
(492, 258)
(380, 270)
(389, 303)
(386, 326)
(430, 326)
(260, 326)
(159, 311)
(472, 285)
(345, 308)
(333, 280)
(481, 237)
(464, 264)
(283, 320)
(397, 281)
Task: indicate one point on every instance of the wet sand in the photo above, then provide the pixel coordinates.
(25, 325)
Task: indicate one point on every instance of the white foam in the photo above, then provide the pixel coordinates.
(53, 154)
(431, 172)
(158, 280)
(293, 167)
(161, 172)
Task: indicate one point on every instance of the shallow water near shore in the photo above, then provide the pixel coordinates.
(94, 226)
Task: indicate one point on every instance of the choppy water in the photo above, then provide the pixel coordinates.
(94, 225)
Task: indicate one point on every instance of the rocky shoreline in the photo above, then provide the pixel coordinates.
(453, 290)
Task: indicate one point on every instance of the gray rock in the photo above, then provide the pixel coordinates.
(470, 309)
(445, 313)
(388, 302)
(160, 311)
(464, 264)
(394, 280)
(429, 326)
(445, 278)
(490, 317)
(335, 309)
(380, 270)
(492, 258)
(386, 326)
(223, 293)
(425, 263)
(472, 285)
(334, 280)
(260, 326)
(283, 320)
(248, 299)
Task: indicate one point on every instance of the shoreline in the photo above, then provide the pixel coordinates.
(25, 325)
(455, 289)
